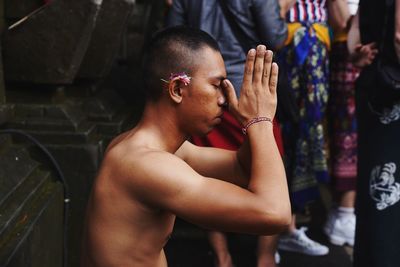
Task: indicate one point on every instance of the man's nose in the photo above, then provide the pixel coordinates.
(222, 100)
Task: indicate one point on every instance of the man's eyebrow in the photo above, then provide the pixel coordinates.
(219, 78)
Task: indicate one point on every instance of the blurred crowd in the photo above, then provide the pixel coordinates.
(337, 121)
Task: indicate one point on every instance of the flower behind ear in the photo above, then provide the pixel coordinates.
(181, 76)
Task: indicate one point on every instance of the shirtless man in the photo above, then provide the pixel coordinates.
(151, 174)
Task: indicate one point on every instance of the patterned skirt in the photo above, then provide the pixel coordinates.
(342, 119)
(305, 141)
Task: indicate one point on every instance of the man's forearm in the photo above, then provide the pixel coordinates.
(259, 155)
(254, 109)
(266, 160)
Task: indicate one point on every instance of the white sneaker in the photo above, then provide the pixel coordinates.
(299, 242)
(340, 229)
(277, 257)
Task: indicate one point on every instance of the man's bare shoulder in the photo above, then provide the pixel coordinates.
(126, 155)
(150, 175)
(130, 159)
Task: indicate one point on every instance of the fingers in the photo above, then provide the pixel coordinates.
(248, 68)
(230, 93)
(273, 82)
(369, 52)
(373, 45)
(267, 66)
(259, 64)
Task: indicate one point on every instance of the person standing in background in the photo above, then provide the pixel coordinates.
(374, 41)
(237, 25)
(305, 58)
(341, 223)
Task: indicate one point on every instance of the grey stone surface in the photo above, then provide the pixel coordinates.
(44, 55)
(147, 17)
(5, 113)
(2, 15)
(79, 162)
(106, 38)
(48, 46)
(63, 127)
(15, 165)
(31, 212)
(15, 10)
(109, 112)
(2, 87)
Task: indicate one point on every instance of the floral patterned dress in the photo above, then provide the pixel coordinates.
(342, 118)
(307, 64)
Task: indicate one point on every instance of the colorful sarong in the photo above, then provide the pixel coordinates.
(306, 61)
(342, 116)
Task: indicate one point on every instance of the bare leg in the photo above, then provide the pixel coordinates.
(347, 199)
(219, 244)
(266, 251)
(292, 225)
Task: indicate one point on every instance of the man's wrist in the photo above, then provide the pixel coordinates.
(255, 121)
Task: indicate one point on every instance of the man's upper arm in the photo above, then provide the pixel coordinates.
(213, 162)
(167, 182)
(272, 29)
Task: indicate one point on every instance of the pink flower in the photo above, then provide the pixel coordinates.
(183, 77)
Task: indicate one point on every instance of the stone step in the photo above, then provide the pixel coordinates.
(36, 235)
(122, 122)
(63, 112)
(15, 166)
(5, 141)
(85, 132)
(19, 198)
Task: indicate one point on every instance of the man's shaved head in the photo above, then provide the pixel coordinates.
(173, 50)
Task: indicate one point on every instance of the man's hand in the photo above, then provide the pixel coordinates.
(258, 93)
(364, 55)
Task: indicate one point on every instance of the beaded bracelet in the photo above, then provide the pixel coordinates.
(252, 121)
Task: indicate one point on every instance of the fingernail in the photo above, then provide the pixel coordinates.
(252, 52)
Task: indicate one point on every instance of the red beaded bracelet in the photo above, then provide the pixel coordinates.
(252, 121)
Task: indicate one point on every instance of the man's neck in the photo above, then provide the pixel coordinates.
(160, 124)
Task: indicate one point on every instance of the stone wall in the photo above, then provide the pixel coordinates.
(70, 71)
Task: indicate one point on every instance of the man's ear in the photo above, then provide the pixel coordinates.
(175, 91)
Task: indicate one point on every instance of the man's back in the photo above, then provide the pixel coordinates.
(121, 228)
